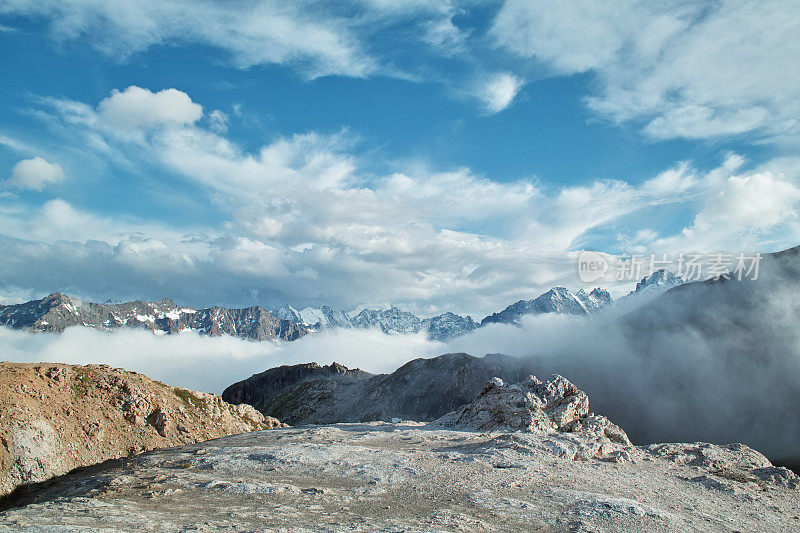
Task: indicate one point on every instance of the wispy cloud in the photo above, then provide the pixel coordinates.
(252, 33)
(314, 38)
(691, 70)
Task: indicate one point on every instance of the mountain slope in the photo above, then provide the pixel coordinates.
(648, 288)
(422, 389)
(57, 417)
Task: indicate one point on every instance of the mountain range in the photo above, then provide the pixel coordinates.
(57, 311)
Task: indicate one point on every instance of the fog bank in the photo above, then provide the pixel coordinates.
(210, 363)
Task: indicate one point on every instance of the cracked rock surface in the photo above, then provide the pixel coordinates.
(391, 477)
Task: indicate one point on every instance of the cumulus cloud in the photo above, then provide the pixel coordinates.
(135, 108)
(756, 202)
(739, 211)
(691, 70)
(498, 91)
(34, 174)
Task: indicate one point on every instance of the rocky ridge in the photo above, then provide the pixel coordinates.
(392, 319)
(421, 390)
(56, 417)
(533, 406)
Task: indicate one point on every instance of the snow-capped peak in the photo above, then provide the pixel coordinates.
(658, 278)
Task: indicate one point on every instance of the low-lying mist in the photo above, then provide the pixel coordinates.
(708, 362)
(210, 363)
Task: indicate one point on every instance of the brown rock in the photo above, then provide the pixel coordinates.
(56, 417)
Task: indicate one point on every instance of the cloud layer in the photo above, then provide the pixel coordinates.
(687, 373)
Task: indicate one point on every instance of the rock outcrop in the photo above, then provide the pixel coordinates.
(555, 406)
(260, 388)
(56, 417)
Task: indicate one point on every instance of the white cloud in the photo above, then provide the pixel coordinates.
(746, 211)
(692, 70)
(135, 108)
(445, 36)
(218, 122)
(58, 220)
(314, 38)
(34, 174)
(498, 91)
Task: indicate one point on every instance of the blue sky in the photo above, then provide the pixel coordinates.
(442, 156)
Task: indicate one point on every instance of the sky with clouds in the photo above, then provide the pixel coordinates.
(442, 156)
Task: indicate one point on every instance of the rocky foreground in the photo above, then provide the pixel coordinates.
(56, 417)
(521, 457)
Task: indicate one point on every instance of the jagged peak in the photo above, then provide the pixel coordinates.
(562, 292)
(659, 277)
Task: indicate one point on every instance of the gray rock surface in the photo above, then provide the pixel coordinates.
(533, 406)
(519, 457)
